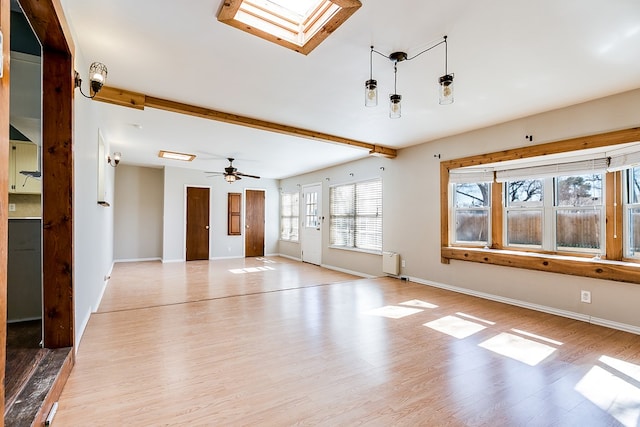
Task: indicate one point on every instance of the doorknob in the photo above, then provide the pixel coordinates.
(247, 226)
(206, 227)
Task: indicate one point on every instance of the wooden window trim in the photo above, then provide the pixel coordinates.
(234, 205)
(613, 267)
(346, 9)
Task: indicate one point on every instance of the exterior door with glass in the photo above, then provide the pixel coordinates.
(311, 235)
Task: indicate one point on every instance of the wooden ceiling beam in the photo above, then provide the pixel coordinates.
(139, 101)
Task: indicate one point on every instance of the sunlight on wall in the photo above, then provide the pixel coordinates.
(455, 326)
(614, 388)
(518, 348)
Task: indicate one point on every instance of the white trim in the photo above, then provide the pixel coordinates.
(289, 257)
(344, 270)
(137, 260)
(542, 308)
(166, 261)
(216, 258)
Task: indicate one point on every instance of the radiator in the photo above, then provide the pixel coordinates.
(391, 263)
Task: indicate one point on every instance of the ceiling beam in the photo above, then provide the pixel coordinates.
(139, 101)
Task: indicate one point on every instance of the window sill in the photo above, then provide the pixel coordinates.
(364, 251)
(574, 265)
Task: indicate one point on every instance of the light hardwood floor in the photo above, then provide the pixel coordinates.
(280, 343)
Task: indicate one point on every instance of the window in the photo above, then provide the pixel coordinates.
(565, 205)
(297, 25)
(524, 212)
(356, 215)
(289, 216)
(570, 221)
(632, 213)
(472, 204)
(311, 219)
(579, 214)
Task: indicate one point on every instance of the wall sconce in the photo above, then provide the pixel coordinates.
(395, 99)
(97, 77)
(113, 161)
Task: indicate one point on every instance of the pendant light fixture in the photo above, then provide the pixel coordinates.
(371, 86)
(395, 99)
(446, 81)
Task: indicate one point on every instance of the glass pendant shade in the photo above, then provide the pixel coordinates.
(370, 93)
(97, 76)
(229, 178)
(446, 89)
(395, 108)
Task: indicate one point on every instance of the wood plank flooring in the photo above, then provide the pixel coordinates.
(198, 345)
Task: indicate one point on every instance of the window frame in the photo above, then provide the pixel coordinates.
(354, 216)
(613, 266)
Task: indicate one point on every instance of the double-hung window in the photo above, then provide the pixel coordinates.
(356, 215)
(289, 216)
(471, 207)
(632, 213)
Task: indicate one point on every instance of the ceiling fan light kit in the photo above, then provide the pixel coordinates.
(395, 99)
(231, 174)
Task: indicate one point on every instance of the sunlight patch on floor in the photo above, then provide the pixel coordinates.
(455, 326)
(393, 311)
(538, 337)
(607, 388)
(518, 348)
(468, 316)
(250, 270)
(419, 303)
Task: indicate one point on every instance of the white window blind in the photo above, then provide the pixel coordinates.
(458, 176)
(289, 216)
(356, 215)
(558, 169)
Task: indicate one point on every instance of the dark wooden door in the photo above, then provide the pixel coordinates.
(254, 223)
(197, 223)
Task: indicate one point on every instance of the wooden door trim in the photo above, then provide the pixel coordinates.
(50, 26)
(184, 215)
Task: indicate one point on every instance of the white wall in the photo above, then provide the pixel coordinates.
(138, 205)
(92, 223)
(221, 245)
(411, 212)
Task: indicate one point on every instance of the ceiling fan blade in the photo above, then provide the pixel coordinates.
(248, 176)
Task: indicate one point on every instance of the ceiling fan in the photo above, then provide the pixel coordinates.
(231, 174)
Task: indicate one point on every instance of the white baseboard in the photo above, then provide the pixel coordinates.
(289, 257)
(224, 257)
(138, 259)
(545, 309)
(166, 261)
(26, 319)
(344, 270)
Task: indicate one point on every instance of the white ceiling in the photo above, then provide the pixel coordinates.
(511, 58)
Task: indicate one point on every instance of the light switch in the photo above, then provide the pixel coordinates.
(12, 207)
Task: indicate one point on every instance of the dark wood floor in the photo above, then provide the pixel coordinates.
(23, 356)
(278, 343)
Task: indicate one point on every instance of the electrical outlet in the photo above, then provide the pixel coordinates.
(12, 207)
(585, 296)
(404, 263)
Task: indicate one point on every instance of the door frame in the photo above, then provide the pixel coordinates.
(244, 218)
(184, 217)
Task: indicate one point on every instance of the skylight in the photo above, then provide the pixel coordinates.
(300, 25)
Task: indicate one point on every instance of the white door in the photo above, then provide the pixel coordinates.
(311, 224)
